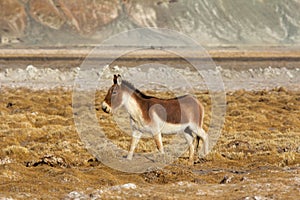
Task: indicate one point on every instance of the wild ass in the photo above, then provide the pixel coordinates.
(157, 116)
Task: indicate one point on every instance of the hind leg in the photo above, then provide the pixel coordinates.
(158, 142)
(204, 137)
(196, 143)
(189, 138)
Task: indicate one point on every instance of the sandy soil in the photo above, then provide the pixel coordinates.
(256, 157)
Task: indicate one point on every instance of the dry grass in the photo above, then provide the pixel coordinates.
(40, 146)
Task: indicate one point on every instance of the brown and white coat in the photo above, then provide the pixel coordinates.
(157, 116)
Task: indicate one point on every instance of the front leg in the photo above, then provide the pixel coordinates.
(158, 142)
(136, 135)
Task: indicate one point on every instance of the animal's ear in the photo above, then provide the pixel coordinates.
(119, 79)
(115, 79)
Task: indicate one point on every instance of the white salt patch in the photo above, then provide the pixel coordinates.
(125, 186)
(76, 195)
(151, 78)
(5, 160)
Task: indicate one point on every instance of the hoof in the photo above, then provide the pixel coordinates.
(191, 163)
(129, 157)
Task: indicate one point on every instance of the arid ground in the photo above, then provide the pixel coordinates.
(256, 157)
(48, 49)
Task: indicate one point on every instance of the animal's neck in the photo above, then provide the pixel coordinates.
(133, 106)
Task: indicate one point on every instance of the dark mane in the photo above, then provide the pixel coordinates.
(131, 86)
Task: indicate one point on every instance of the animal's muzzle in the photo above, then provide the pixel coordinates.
(106, 108)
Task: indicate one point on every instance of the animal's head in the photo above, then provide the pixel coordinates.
(114, 96)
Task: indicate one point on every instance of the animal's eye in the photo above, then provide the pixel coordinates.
(114, 92)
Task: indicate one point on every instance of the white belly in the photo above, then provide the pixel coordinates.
(169, 128)
(157, 125)
(161, 127)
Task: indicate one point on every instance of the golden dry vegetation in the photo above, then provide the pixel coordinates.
(257, 154)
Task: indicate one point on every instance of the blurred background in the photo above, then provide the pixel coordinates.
(212, 23)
